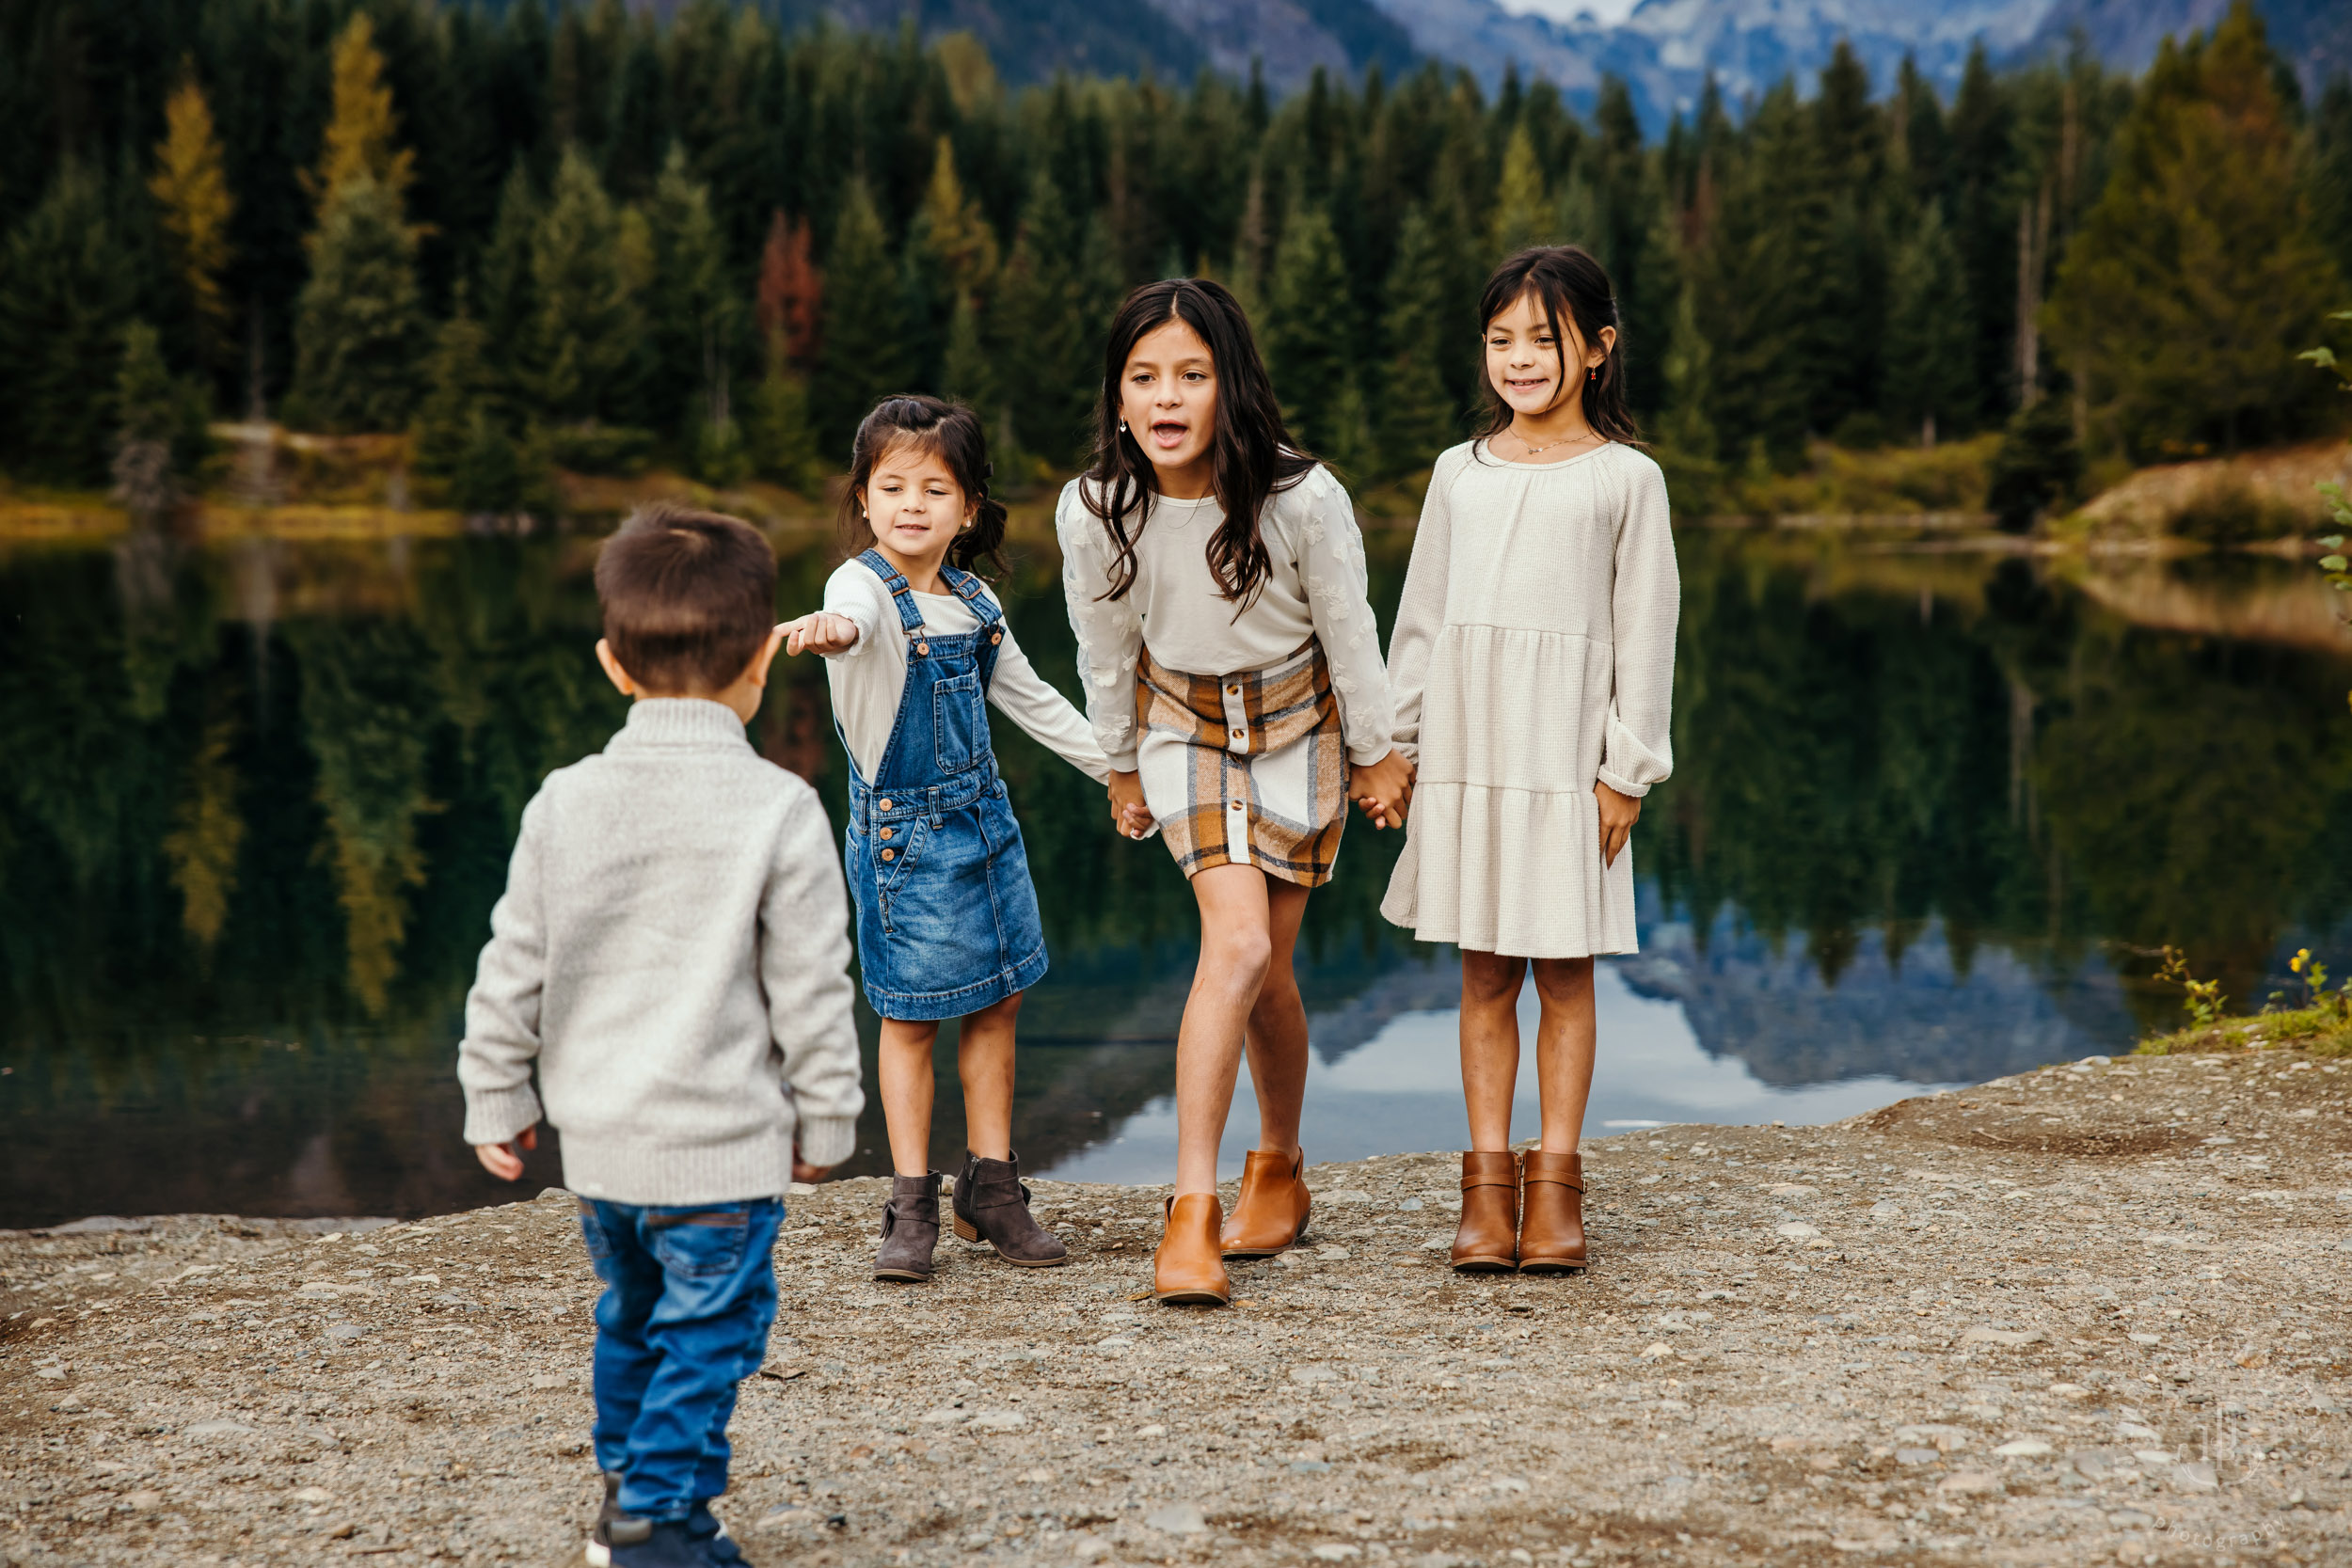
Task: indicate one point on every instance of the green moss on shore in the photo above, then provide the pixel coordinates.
(2323, 1031)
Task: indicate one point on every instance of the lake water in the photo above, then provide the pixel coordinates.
(1933, 811)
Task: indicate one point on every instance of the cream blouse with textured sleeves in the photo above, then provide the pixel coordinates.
(1532, 655)
(1315, 588)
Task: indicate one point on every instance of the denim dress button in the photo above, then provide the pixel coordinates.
(886, 806)
(889, 834)
(890, 854)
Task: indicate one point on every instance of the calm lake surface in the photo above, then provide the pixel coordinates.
(1934, 809)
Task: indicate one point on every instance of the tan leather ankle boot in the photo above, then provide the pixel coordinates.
(1189, 1267)
(1270, 1214)
(1551, 1223)
(1487, 1241)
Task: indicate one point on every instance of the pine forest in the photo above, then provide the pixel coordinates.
(589, 238)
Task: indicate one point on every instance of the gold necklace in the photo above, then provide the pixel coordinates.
(1535, 451)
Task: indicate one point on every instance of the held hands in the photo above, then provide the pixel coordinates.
(1618, 813)
(501, 1161)
(804, 1171)
(820, 632)
(1129, 814)
(1383, 789)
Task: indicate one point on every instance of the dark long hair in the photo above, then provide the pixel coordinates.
(949, 431)
(1252, 451)
(1567, 282)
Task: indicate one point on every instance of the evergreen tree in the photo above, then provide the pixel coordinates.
(590, 265)
(1040, 337)
(695, 314)
(359, 133)
(968, 371)
(459, 439)
(2328, 182)
(1929, 372)
(1522, 215)
(951, 256)
(160, 431)
(864, 355)
(2181, 305)
(65, 291)
(1418, 415)
(359, 328)
(1310, 332)
(780, 436)
(509, 307)
(191, 189)
(1687, 429)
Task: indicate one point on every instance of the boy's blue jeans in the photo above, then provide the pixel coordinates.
(690, 1293)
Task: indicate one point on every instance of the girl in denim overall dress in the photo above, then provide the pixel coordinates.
(948, 925)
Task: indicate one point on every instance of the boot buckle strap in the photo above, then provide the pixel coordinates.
(1506, 1180)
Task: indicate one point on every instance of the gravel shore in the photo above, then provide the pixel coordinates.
(2092, 1314)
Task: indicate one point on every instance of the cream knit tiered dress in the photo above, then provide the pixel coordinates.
(1534, 654)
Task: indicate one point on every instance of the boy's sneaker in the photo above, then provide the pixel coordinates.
(599, 1549)
(666, 1543)
(704, 1526)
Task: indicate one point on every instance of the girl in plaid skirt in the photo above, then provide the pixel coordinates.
(1215, 580)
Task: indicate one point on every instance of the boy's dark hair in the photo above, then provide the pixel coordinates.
(945, 429)
(1251, 450)
(1566, 282)
(689, 597)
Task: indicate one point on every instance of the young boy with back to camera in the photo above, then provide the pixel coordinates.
(672, 951)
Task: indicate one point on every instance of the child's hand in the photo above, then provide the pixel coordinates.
(820, 632)
(804, 1171)
(1382, 789)
(1618, 813)
(501, 1161)
(1128, 813)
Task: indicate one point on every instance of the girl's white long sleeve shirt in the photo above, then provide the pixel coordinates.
(1315, 587)
(869, 678)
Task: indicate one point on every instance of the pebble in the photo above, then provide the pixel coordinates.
(1795, 1230)
(1178, 1519)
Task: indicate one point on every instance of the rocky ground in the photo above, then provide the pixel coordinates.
(2093, 1314)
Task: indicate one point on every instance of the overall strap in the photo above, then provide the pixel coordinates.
(902, 592)
(990, 635)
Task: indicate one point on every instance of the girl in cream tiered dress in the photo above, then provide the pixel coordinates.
(1533, 656)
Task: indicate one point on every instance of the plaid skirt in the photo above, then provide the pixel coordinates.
(1246, 770)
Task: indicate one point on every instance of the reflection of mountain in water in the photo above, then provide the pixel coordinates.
(268, 794)
(1920, 1020)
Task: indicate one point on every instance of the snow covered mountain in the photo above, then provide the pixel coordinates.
(1665, 49)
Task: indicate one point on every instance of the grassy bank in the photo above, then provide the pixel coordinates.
(2325, 1030)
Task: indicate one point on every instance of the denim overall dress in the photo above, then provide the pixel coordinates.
(946, 916)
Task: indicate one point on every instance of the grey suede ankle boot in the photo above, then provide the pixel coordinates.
(910, 1229)
(993, 1206)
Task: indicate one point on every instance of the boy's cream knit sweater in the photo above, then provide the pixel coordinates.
(673, 950)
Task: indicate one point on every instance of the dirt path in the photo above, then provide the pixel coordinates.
(2089, 1315)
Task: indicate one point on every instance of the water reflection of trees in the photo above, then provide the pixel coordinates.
(2010, 761)
(263, 796)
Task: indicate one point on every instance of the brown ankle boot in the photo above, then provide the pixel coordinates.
(1187, 1268)
(1487, 1240)
(991, 1205)
(1552, 1226)
(1270, 1214)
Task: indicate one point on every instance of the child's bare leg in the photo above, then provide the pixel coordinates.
(906, 1091)
(1490, 1045)
(1565, 1040)
(984, 1061)
(1276, 1031)
(1236, 950)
